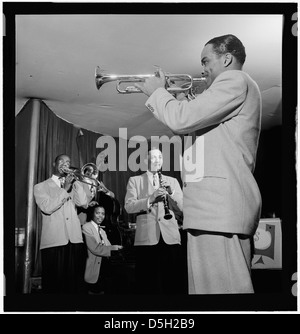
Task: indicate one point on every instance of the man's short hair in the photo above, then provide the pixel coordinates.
(229, 43)
(59, 157)
(153, 148)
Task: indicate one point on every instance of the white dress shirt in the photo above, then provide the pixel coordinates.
(102, 233)
(55, 178)
(152, 177)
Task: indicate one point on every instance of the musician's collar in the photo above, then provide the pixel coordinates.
(150, 173)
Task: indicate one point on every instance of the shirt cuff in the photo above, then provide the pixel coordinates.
(150, 101)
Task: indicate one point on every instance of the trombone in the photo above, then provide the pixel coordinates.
(189, 82)
(83, 176)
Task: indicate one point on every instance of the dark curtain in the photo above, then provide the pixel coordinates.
(56, 136)
(268, 171)
(86, 146)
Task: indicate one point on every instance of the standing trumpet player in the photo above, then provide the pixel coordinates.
(222, 204)
(61, 245)
(159, 266)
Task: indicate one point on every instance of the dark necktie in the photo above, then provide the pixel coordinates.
(62, 181)
(154, 180)
(101, 238)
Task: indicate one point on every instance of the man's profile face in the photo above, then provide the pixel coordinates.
(212, 64)
(155, 160)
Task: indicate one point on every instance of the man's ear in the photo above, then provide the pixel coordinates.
(228, 58)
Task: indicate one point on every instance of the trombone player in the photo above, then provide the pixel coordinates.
(61, 242)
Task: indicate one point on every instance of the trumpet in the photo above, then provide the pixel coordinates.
(188, 81)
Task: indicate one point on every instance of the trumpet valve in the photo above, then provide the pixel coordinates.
(128, 90)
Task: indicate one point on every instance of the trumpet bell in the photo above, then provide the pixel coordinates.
(102, 78)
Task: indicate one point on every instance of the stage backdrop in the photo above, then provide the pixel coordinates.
(40, 136)
(39, 129)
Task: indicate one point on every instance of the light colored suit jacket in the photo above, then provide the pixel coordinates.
(60, 223)
(95, 251)
(224, 125)
(150, 224)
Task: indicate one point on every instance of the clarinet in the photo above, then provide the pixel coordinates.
(167, 215)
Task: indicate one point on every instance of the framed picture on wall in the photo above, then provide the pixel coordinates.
(268, 245)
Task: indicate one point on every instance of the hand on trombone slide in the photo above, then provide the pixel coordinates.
(93, 203)
(102, 188)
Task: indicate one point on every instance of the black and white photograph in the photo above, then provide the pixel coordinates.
(149, 159)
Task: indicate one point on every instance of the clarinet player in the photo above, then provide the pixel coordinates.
(159, 265)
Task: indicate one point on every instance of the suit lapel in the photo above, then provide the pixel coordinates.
(53, 187)
(94, 231)
(52, 183)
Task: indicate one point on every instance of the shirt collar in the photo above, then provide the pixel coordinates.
(55, 178)
(150, 175)
(96, 225)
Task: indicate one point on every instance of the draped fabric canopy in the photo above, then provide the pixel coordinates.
(57, 56)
